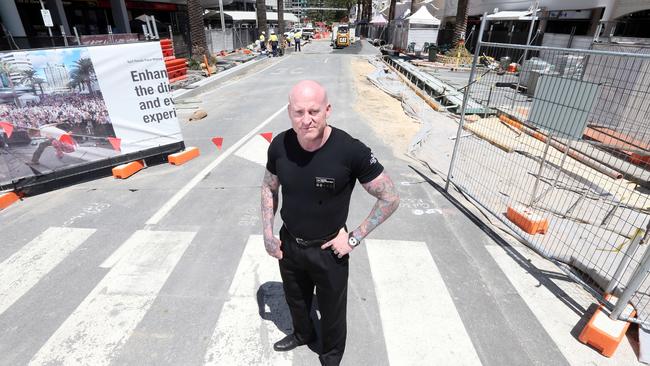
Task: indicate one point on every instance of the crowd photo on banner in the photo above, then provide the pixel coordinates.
(52, 113)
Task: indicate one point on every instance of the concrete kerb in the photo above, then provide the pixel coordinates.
(204, 85)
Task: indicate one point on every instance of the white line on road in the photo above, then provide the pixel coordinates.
(20, 272)
(247, 329)
(228, 83)
(107, 317)
(155, 219)
(556, 317)
(420, 322)
(254, 150)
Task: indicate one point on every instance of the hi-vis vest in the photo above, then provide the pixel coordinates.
(273, 38)
(262, 38)
(297, 35)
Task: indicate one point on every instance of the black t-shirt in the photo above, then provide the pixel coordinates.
(316, 186)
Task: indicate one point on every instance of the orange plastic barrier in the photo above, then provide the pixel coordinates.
(527, 220)
(126, 170)
(603, 333)
(7, 199)
(183, 156)
(176, 67)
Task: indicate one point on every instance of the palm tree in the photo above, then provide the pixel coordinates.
(38, 81)
(197, 31)
(7, 69)
(261, 16)
(28, 77)
(461, 22)
(84, 72)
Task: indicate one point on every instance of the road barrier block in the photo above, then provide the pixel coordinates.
(7, 199)
(126, 170)
(527, 220)
(603, 333)
(183, 156)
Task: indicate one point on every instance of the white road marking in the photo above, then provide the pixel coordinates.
(155, 219)
(242, 336)
(420, 322)
(554, 316)
(105, 320)
(20, 272)
(254, 150)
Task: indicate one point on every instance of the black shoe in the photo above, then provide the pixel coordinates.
(288, 343)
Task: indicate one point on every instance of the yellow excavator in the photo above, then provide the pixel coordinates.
(342, 36)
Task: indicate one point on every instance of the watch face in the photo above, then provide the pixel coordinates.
(353, 241)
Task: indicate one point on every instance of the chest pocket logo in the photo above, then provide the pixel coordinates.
(325, 183)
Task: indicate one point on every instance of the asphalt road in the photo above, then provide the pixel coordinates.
(167, 267)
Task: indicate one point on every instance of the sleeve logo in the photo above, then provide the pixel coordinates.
(373, 159)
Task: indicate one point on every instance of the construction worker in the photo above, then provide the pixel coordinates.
(297, 37)
(263, 42)
(273, 41)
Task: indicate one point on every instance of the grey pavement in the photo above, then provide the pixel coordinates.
(175, 323)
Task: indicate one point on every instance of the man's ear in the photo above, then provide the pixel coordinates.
(328, 110)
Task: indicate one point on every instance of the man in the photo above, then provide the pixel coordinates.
(263, 42)
(317, 166)
(297, 38)
(273, 41)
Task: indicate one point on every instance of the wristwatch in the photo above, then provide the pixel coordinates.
(352, 241)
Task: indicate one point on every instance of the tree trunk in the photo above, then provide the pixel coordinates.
(461, 21)
(281, 19)
(197, 32)
(413, 5)
(261, 16)
(391, 10)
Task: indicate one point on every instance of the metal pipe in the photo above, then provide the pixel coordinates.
(539, 173)
(465, 98)
(616, 278)
(590, 162)
(76, 34)
(65, 38)
(155, 27)
(523, 59)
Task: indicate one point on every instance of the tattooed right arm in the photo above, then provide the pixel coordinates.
(270, 190)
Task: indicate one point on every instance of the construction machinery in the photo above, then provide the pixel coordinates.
(342, 36)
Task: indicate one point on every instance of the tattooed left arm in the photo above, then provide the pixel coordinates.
(384, 190)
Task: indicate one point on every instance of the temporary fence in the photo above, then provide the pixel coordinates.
(560, 153)
(229, 40)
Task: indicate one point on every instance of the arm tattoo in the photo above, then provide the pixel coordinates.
(383, 189)
(270, 189)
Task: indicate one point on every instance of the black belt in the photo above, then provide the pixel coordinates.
(314, 242)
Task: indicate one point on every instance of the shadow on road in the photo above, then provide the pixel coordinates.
(272, 306)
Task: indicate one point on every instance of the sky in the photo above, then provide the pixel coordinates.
(66, 56)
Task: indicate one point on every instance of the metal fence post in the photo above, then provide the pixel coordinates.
(616, 278)
(465, 97)
(635, 282)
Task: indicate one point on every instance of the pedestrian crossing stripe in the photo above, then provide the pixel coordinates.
(420, 321)
(239, 337)
(25, 268)
(107, 317)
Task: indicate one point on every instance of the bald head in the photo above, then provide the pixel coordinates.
(309, 109)
(308, 90)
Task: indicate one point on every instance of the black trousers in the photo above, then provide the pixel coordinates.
(297, 45)
(302, 269)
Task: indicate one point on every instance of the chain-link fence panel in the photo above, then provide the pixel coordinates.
(561, 154)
